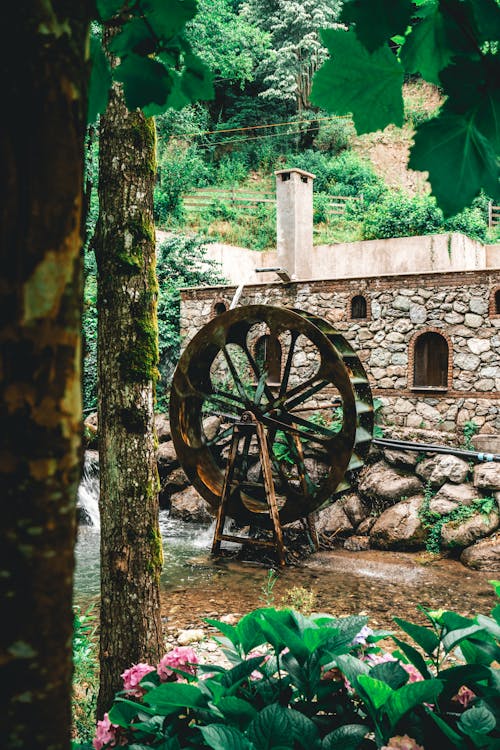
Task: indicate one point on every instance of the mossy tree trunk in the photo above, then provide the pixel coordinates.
(41, 178)
(131, 551)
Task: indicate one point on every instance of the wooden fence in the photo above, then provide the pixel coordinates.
(493, 215)
(247, 199)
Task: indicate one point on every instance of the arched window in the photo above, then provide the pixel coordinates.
(430, 361)
(358, 307)
(268, 356)
(219, 308)
(497, 302)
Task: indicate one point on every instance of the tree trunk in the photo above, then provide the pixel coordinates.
(131, 549)
(42, 131)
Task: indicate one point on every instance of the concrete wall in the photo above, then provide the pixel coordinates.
(437, 253)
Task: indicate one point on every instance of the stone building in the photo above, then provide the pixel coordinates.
(422, 313)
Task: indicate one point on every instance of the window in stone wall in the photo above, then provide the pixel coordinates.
(430, 361)
(219, 308)
(358, 307)
(268, 355)
(497, 302)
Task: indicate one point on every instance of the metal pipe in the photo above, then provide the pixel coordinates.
(428, 448)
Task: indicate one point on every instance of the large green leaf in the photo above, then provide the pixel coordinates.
(237, 711)
(100, 81)
(144, 81)
(457, 739)
(490, 625)
(196, 79)
(222, 737)
(454, 637)
(168, 18)
(109, 8)
(304, 729)
(376, 21)
(486, 14)
(409, 696)
(376, 691)
(368, 86)
(426, 49)
(426, 638)
(348, 737)
(390, 672)
(477, 719)
(171, 695)
(271, 728)
(350, 667)
(134, 36)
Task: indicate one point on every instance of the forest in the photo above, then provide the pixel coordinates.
(137, 105)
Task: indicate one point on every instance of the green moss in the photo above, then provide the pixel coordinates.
(155, 562)
(143, 135)
(140, 363)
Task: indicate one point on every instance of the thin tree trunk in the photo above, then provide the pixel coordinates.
(131, 549)
(44, 77)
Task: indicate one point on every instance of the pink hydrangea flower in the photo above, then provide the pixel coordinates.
(106, 733)
(180, 657)
(256, 675)
(464, 696)
(133, 676)
(415, 675)
(402, 742)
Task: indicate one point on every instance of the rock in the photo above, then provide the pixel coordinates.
(484, 555)
(354, 509)
(357, 543)
(486, 443)
(441, 505)
(83, 517)
(401, 459)
(442, 468)
(211, 427)
(399, 527)
(189, 506)
(185, 637)
(487, 476)
(382, 481)
(231, 619)
(366, 525)
(174, 481)
(162, 427)
(91, 431)
(462, 494)
(166, 457)
(333, 521)
(470, 530)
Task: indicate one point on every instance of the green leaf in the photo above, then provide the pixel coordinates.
(426, 50)
(351, 667)
(477, 719)
(368, 86)
(304, 729)
(109, 8)
(168, 19)
(376, 21)
(171, 695)
(134, 36)
(237, 710)
(409, 696)
(487, 17)
(271, 728)
(196, 79)
(390, 672)
(460, 161)
(426, 638)
(228, 630)
(378, 692)
(144, 81)
(100, 81)
(123, 711)
(241, 671)
(448, 732)
(347, 737)
(490, 625)
(454, 637)
(222, 737)
(414, 656)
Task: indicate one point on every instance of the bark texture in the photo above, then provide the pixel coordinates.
(44, 74)
(131, 549)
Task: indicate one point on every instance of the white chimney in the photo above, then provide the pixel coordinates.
(294, 221)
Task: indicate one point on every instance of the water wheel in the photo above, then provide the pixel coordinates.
(296, 376)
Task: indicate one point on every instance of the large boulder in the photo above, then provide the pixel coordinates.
(166, 458)
(381, 481)
(484, 555)
(399, 527)
(401, 459)
(441, 469)
(487, 476)
(189, 506)
(464, 533)
(334, 521)
(354, 509)
(450, 496)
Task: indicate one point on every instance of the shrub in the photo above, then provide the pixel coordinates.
(323, 683)
(399, 215)
(85, 681)
(180, 169)
(334, 135)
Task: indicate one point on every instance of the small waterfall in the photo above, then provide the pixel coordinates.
(88, 492)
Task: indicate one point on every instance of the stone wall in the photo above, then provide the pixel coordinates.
(460, 306)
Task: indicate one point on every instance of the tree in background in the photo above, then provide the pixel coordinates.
(296, 50)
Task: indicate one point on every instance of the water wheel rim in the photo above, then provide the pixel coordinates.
(192, 386)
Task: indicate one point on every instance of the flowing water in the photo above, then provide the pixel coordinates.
(194, 584)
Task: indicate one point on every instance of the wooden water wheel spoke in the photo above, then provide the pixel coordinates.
(308, 462)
